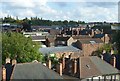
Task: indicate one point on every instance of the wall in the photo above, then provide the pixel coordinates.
(89, 48)
(70, 41)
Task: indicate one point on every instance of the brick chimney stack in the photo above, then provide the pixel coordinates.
(49, 64)
(102, 57)
(113, 61)
(7, 60)
(93, 33)
(59, 68)
(14, 62)
(74, 66)
(4, 74)
(63, 62)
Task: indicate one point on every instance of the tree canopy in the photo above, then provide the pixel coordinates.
(116, 39)
(16, 46)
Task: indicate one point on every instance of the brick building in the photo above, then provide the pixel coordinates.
(89, 45)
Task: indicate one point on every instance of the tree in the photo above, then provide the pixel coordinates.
(16, 46)
(106, 47)
(116, 39)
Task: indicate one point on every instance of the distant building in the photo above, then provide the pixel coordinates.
(89, 45)
(60, 51)
(64, 41)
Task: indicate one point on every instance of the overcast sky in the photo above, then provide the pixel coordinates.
(62, 10)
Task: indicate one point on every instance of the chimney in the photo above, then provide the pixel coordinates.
(77, 31)
(7, 60)
(14, 62)
(63, 62)
(74, 66)
(59, 69)
(102, 31)
(112, 52)
(113, 61)
(4, 74)
(49, 64)
(92, 34)
(102, 57)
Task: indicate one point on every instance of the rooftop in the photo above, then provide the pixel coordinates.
(58, 49)
(33, 71)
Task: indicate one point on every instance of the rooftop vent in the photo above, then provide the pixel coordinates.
(88, 66)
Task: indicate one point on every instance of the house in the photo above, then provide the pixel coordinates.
(88, 46)
(27, 34)
(78, 37)
(32, 71)
(54, 31)
(60, 51)
(104, 37)
(38, 38)
(50, 41)
(64, 41)
(90, 68)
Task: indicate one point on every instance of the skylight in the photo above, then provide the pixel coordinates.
(92, 42)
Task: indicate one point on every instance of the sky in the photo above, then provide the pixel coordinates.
(83, 10)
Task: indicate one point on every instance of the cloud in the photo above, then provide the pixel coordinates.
(85, 11)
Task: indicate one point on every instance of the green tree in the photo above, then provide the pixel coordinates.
(16, 46)
(106, 47)
(116, 39)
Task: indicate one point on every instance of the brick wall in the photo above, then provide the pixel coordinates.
(89, 48)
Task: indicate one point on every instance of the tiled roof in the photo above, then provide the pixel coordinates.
(33, 71)
(90, 40)
(81, 37)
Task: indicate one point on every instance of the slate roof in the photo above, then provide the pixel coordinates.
(98, 35)
(94, 66)
(58, 49)
(33, 71)
(87, 41)
(38, 37)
